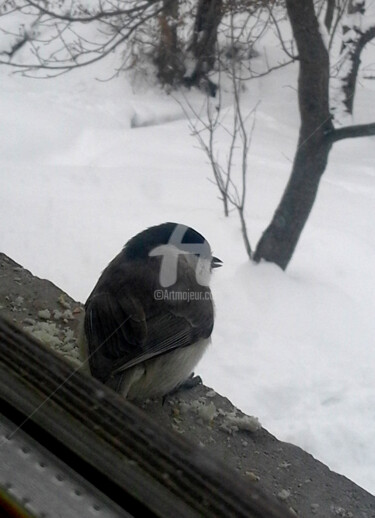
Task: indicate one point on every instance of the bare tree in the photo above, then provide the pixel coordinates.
(203, 45)
(205, 126)
(169, 59)
(357, 32)
(330, 11)
(316, 136)
(57, 35)
(63, 29)
(179, 38)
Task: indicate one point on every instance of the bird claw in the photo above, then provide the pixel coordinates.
(191, 382)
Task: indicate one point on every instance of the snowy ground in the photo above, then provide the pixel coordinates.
(295, 349)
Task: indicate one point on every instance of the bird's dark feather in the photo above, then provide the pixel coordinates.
(121, 332)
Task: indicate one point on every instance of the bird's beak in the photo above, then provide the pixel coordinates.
(216, 262)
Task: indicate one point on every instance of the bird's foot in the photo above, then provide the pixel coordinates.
(191, 382)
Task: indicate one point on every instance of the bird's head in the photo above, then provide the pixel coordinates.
(160, 239)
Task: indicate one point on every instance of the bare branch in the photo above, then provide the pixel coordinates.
(276, 24)
(330, 11)
(340, 13)
(97, 16)
(100, 50)
(17, 46)
(354, 131)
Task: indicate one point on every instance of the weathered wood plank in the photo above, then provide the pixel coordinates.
(142, 463)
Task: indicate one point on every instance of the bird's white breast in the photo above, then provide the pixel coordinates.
(162, 374)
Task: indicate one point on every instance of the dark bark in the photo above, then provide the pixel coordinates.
(169, 59)
(203, 46)
(316, 137)
(281, 237)
(359, 130)
(353, 48)
(328, 19)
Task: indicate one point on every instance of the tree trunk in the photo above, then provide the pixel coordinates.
(328, 19)
(203, 46)
(279, 240)
(168, 58)
(354, 40)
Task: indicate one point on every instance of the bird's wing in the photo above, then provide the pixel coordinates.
(120, 334)
(172, 330)
(115, 328)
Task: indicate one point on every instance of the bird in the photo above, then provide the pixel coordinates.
(149, 319)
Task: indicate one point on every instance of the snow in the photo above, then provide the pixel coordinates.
(86, 164)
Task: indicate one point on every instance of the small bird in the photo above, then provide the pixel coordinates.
(149, 319)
